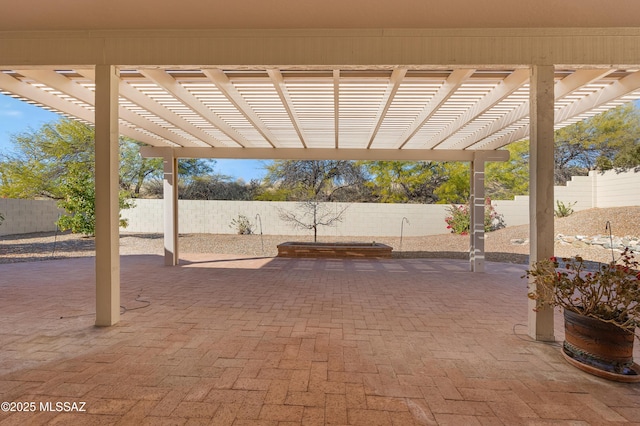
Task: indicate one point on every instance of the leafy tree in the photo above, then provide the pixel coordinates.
(605, 141)
(506, 179)
(38, 168)
(135, 170)
(456, 189)
(208, 187)
(42, 159)
(270, 193)
(58, 162)
(405, 181)
(194, 168)
(217, 187)
(503, 179)
(326, 180)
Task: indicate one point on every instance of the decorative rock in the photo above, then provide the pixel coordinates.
(519, 241)
(598, 241)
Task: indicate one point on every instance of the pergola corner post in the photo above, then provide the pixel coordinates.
(170, 191)
(541, 176)
(476, 210)
(107, 209)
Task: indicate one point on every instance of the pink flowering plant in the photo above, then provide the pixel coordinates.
(610, 293)
(459, 218)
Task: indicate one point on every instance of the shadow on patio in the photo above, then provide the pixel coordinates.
(245, 341)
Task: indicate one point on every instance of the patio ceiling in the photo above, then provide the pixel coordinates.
(260, 112)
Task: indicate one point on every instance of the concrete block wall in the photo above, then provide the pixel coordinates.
(145, 216)
(26, 216)
(358, 219)
(387, 220)
(616, 189)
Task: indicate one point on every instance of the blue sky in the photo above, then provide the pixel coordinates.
(17, 117)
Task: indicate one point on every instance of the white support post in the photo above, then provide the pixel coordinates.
(170, 188)
(106, 203)
(476, 209)
(541, 198)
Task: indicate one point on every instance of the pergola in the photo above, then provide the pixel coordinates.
(403, 80)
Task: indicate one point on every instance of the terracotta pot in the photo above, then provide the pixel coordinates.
(598, 344)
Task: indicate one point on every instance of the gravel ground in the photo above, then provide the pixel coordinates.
(499, 246)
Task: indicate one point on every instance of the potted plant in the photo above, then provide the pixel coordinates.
(601, 311)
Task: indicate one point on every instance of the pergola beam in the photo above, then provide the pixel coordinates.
(132, 94)
(607, 94)
(285, 98)
(562, 88)
(448, 89)
(509, 85)
(169, 84)
(59, 82)
(27, 91)
(597, 99)
(226, 87)
(329, 154)
(394, 84)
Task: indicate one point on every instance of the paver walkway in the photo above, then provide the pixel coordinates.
(261, 341)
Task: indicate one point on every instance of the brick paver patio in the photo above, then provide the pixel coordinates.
(284, 341)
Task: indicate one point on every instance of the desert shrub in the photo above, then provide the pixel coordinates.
(242, 225)
(563, 210)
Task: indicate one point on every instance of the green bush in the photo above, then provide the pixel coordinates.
(563, 209)
(80, 203)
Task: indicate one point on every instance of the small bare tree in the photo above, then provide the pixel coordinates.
(311, 215)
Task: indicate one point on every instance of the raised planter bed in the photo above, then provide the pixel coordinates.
(334, 250)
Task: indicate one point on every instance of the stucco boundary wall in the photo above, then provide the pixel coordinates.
(609, 189)
(27, 216)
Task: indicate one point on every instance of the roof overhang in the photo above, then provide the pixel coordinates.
(360, 79)
(65, 15)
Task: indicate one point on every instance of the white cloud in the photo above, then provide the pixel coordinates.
(12, 113)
